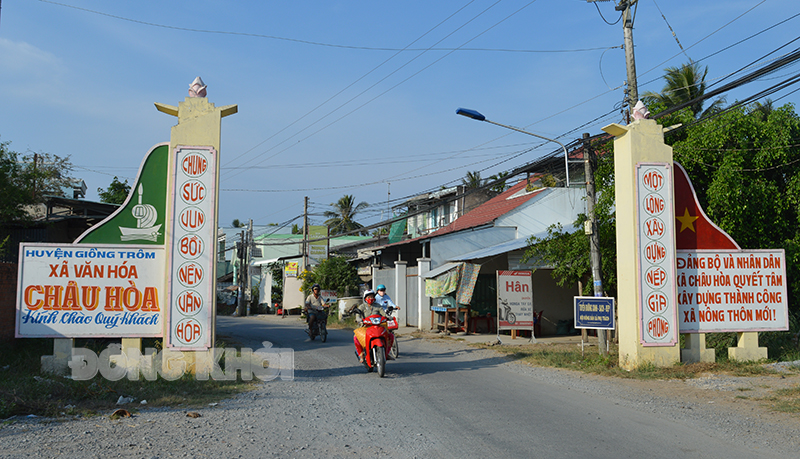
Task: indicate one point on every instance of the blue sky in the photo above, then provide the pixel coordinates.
(329, 101)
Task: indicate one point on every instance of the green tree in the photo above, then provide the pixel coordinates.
(473, 180)
(683, 84)
(335, 273)
(568, 251)
(743, 165)
(342, 218)
(46, 174)
(28, 179)
(500, 186)
(116, 193)
(13, 192)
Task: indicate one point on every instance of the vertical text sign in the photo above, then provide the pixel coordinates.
(656, 247)
(191, 292)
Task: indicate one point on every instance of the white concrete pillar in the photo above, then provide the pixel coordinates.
(401, 292)
(423, 302)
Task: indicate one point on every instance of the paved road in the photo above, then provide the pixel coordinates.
(447, 400)
(441, 399)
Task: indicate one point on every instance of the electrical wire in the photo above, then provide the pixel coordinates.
(309, 42)
(402, 81)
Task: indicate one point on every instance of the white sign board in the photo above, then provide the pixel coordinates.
(656, 248)
(514, 300)
(194, 231)
(72, 291)
(732, 291)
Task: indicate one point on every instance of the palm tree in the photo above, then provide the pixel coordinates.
(683, 84)
(342, 218)
(473, 180)
(500, 186)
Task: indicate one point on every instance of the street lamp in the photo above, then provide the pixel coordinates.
(474, 114)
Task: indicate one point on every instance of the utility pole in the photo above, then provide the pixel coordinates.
(240, 246)
(627, 28)
(305, 233)
(594, 237)
(248, 251)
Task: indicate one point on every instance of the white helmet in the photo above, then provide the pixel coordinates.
(368, 292)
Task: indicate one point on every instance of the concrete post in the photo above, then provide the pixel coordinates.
(423, 302)
(747, 348)
(401, 293)
(640, 142)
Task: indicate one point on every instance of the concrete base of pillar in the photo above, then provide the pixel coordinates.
(695, 350)
(747, 348)
(58, 363)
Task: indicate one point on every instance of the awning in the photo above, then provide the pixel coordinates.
(265, 262)
(440, 270)
(504, 247)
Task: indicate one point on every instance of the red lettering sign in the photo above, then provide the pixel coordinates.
(654, 204)
(194, 165)
(190, 302)
(655, 252)
(653, 180)
(654, 228)
(188, 331)
(193, 192)
(190, 274)
(190, 246)
(656, 302)
(658, 327)
(192, 219)
(655, 277)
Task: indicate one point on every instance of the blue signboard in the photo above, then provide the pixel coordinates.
(594, 312)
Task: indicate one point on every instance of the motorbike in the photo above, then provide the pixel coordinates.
(320, 326)
(391, 325)
(379, 340)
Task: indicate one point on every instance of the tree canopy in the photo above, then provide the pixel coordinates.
(683, 84)
(743, 164)
(342, 219)
(116, 193)
(27, 179)
(334, 273)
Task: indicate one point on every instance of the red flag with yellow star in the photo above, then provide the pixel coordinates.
(694, 229)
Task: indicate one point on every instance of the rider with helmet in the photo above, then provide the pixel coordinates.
(314, 305)
(367, 308)
(382, 298)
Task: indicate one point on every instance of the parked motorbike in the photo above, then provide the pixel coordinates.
(320, 326)
(379, 341)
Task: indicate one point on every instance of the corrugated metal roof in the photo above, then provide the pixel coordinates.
(509, 246)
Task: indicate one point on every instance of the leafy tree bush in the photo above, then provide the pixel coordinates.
(335, 273)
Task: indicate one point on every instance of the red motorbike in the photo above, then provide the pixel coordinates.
(379, 341)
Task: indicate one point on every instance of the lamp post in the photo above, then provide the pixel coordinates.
(475, 115)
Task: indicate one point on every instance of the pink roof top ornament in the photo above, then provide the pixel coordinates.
(197, 88)
(640, 112)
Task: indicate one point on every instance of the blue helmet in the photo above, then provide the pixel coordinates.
(381, 287)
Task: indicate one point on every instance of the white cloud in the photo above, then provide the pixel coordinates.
(29, 71)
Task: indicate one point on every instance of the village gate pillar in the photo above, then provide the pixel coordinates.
(199, 126)
(648, 329)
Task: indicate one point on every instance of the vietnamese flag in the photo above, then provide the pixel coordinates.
(693, 228)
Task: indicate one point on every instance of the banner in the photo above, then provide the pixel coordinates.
(72, 291)
(656, 247)
(317, 249)
(514, 300)
(732, 291)
(194, 235)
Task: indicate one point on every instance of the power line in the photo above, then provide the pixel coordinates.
(314, 43)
